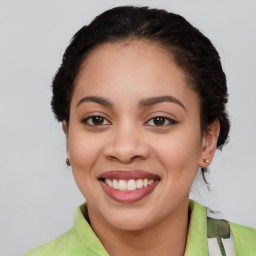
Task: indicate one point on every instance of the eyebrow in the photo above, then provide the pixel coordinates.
(99, 100)
(142, 103)
(154, 100)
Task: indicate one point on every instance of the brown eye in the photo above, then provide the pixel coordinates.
(96, 121)
(161, 121)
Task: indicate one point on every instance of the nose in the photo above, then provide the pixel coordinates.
(125, 145)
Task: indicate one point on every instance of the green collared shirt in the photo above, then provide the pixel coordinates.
(80, 240)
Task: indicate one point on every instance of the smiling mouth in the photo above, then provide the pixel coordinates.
(128, 185)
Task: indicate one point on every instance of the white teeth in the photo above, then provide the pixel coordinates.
(129, 185)
(122, 185)
(140, 183)
(109, 183)
(115, 184)
(145, 182)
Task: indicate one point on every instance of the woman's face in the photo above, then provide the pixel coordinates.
(135, 125)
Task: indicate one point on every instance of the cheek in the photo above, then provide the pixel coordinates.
(83, 151)
(179, 153)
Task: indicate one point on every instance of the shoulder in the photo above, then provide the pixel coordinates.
(244, 238)
(79, 240)
(64, 245)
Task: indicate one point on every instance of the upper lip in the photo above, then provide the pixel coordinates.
(127, 175)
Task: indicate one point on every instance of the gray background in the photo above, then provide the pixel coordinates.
(38, 196)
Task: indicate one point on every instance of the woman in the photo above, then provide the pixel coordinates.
(141, 95)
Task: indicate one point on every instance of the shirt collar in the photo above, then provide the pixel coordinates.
(196, 240)
(197, 233)
(85, 233)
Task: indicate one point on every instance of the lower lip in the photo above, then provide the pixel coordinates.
(128, 196)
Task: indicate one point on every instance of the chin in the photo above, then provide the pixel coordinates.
(131, 223)
(129, 218)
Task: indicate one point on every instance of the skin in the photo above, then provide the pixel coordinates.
(124, 74)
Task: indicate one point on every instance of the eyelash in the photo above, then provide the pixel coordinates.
(85, 120)
(169, 120)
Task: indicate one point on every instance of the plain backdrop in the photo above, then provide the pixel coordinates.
(38, 196)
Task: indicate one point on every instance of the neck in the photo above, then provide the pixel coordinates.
(167, 237)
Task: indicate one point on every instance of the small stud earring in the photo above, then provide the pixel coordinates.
(67, 162)
(206, 161)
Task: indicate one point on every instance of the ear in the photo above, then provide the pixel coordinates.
(65, 127)
(65, 130)
(209, 143)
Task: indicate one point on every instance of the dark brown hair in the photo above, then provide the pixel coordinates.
(192, 51)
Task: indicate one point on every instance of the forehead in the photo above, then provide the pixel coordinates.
(132, 70)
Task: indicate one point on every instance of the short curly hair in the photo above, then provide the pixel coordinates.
(192, 51)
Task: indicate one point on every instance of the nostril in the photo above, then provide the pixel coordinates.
(126, 151)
